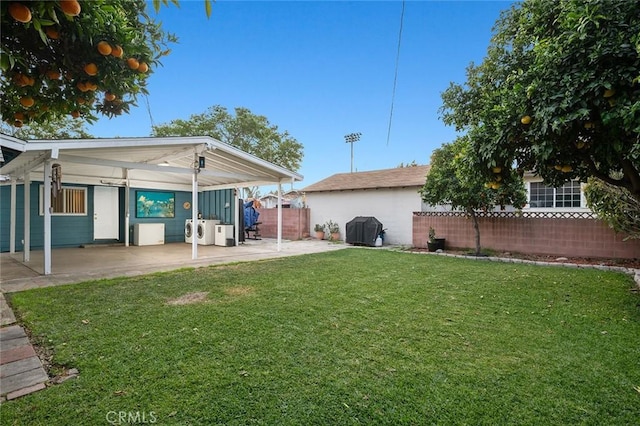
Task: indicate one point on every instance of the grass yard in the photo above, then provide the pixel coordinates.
(354, 336)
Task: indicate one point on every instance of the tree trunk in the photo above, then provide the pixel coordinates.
(476, 228)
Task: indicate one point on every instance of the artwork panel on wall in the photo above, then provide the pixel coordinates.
(150, 204)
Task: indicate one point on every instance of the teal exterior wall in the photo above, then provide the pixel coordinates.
(218, 205)
(66, 231)
(74, 231)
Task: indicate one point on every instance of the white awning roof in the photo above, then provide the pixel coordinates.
(152, 163)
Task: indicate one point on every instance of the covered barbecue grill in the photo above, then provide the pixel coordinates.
(363, 230)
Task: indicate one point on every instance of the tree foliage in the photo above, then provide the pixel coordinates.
(615, 206)
(64, 127)
(74, 58)
(249, 132)
(557, 93)
(455, 179)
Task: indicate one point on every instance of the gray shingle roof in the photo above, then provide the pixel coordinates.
(388, 178)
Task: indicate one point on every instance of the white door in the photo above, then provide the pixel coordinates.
(106, 214)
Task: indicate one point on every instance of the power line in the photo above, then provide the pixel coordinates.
(395, 77)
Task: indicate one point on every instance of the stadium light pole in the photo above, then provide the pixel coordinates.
(351, 138)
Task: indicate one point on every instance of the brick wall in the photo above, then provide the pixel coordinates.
(295, 223)
(568, 237)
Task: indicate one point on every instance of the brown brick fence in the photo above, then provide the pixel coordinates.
(575, 235)
(295, 223)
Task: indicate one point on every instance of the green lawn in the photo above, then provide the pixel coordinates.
(354, 336)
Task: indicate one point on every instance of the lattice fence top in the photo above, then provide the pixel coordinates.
(512, 214)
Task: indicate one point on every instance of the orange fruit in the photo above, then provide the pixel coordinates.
(17, 123)
(18, 116)
(609, 93)
(70, 7)
(91, 86)
(566, 169)
(24, 80)
(143, 67)
(580, 144)
(133, 63)
(27, 101)
(109, 96)
(589, 125)
(525, 120)
(81, 101)
(20, 12)
(53, 74)
(104, 48)
(52, 33)
(75, 114)
(496, 169)
(117, 51)
(91, 69)
(82, 86)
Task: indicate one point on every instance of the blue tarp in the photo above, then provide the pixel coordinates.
(250, 215)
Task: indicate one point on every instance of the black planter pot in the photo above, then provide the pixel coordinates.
(436, 244)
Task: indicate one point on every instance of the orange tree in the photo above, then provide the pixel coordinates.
(557, 93)
(75, 58)
(455, 179)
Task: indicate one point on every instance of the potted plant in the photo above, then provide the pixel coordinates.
(319, 229)
(434, 243)
(333, 230)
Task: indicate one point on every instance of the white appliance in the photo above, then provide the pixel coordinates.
(188, 231)
(206, 231)
(148, 234)
(223, 234)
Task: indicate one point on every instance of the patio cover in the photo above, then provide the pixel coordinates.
(149, 163)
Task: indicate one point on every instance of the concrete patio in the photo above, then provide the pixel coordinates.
(72, 265)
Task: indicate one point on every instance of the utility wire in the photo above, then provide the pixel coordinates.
(395, 77)
(146, 98)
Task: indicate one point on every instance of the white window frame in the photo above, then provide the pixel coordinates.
(81, 188)
(583, 201)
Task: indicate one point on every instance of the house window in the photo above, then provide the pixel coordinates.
(541, 196)
(70, 201)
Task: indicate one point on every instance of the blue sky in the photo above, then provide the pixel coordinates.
(319, 70)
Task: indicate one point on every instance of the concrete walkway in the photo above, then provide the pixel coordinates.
(21, 371)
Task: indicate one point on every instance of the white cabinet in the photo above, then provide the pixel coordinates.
(148, 234)
(224, 235)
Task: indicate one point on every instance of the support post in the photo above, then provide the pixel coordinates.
(12, 219)
(47, 218)
(236, 229)
(127, 207)
(26, 253)
(194, 209)
(279, 245)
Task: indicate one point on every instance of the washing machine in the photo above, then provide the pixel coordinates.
(206, 231)
(188, 231)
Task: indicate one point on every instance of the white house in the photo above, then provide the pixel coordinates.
(390, 195)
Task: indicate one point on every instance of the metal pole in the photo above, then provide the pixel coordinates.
(351, 138)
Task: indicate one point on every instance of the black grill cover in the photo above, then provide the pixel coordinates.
(363, 230)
